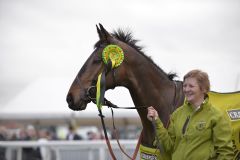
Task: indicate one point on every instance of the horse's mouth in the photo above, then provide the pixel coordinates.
(78, 103)
(81, 105)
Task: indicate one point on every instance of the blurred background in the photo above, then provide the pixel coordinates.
(43, 45)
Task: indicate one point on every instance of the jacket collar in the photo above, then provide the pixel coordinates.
(203, 105)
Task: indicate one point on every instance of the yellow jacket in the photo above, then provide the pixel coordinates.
(197, 135)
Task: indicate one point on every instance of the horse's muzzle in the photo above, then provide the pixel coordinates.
(76, 106)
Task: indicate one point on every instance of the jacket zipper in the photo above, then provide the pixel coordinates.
(185, 125)
(187, 122)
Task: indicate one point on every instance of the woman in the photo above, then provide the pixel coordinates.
(197, 130)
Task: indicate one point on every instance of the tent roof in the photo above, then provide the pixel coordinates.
(45, 99)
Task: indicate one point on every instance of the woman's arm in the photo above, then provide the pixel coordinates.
(166, 136)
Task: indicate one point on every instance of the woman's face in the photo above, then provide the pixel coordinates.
(192, 91)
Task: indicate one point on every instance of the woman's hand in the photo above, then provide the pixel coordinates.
(152, 114)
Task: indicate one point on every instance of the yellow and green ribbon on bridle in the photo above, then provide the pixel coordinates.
(112, 57)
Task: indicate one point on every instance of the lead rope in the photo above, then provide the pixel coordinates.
(159, 145)
(105, 135)
(117, 138)
(115, 132)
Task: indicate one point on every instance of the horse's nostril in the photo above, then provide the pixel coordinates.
(69, 99)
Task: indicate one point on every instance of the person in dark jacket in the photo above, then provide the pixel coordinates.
(72, 135)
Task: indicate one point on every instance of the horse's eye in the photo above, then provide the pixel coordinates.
(103, 45)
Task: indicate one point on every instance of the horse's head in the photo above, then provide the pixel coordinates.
(83, 89)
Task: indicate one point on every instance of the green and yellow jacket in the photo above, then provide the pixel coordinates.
(197, 135)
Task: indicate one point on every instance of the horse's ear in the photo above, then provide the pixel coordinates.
(99, 33)
(103, 33)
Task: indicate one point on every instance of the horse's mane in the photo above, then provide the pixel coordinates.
(127, 37)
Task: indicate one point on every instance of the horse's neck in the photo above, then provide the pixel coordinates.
(149, 86)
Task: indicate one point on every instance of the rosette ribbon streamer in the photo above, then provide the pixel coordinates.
(112, 57)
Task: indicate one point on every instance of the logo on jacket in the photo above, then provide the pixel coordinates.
(201, 125)
(234, 115)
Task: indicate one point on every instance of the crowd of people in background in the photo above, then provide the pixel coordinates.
(30, 133)
(40, 134)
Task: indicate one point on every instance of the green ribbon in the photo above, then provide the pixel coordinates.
(101, 84)
(100, 90)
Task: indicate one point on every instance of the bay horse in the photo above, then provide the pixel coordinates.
(147, 83)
